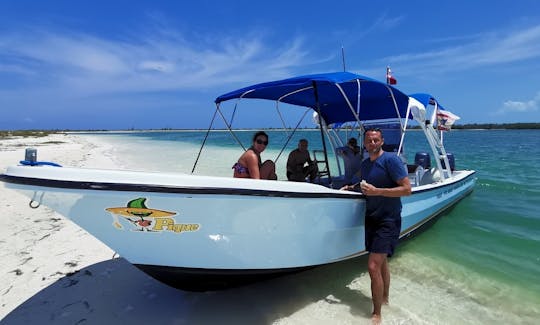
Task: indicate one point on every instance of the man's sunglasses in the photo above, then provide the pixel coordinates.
(373, 130)
(259, 141)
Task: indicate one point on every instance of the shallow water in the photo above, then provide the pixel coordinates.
(479, 263)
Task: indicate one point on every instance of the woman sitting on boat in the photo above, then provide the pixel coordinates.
(249, 164)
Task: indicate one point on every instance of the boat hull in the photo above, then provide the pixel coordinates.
(231, 226)
(184, 232)
(429, 201)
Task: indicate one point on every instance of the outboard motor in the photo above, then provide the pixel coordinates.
(422, 159)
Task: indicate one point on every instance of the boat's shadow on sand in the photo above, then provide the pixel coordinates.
(115, 291)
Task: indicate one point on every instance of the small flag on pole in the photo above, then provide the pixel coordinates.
(445, 119)
(390, 80)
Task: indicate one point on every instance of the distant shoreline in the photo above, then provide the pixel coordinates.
(38, 133)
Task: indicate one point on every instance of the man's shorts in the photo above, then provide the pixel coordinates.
(382, 235)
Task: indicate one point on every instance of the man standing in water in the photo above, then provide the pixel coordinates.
(384, 181)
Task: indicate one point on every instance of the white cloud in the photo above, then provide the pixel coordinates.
(483, 50)
(79, 64)
(384, 22)
(160, 66)
(15, 69)
(528, 106)
(61, 52)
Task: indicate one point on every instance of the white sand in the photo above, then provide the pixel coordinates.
(54, 272)
(39, 246)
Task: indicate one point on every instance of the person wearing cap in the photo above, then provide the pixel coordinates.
(352, 159)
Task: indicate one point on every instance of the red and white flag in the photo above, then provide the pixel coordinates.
(389, 78)
(445, 119)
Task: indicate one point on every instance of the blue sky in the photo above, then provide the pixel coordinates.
(160, 64)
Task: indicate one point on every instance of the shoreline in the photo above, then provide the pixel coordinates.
(55, 272)
(6, 134)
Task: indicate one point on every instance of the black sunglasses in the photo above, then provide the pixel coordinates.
(259, 141)
(372, 130)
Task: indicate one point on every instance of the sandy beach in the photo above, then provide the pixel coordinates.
(56, 273)
(40, 247)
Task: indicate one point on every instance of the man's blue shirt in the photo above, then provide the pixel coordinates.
(384, 172)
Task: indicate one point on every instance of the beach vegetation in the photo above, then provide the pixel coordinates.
(24, 133)
(497, 126)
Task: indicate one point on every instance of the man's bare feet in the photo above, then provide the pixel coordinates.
(376, 319)
(385, 301)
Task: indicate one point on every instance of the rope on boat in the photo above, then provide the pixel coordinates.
(282, 120)
(229, 127)
(291, 135)
(204, 141)
(210, 128)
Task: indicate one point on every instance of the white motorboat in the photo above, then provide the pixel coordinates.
(196, 232)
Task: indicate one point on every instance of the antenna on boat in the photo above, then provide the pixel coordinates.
(343, 57)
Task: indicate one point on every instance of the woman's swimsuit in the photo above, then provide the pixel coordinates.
(240, 169)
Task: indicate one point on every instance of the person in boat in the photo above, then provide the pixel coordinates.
(300, 165)
(249, 165)
(352, 159)
(384, 181)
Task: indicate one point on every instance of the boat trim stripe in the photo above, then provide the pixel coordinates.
(124, 187)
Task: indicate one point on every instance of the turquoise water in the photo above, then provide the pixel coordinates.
(484, 253)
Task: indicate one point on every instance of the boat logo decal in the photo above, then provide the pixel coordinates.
(141, 218)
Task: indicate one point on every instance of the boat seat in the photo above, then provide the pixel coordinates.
(429, 176)
(412, 168)
(390, 148)
(419, 173)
